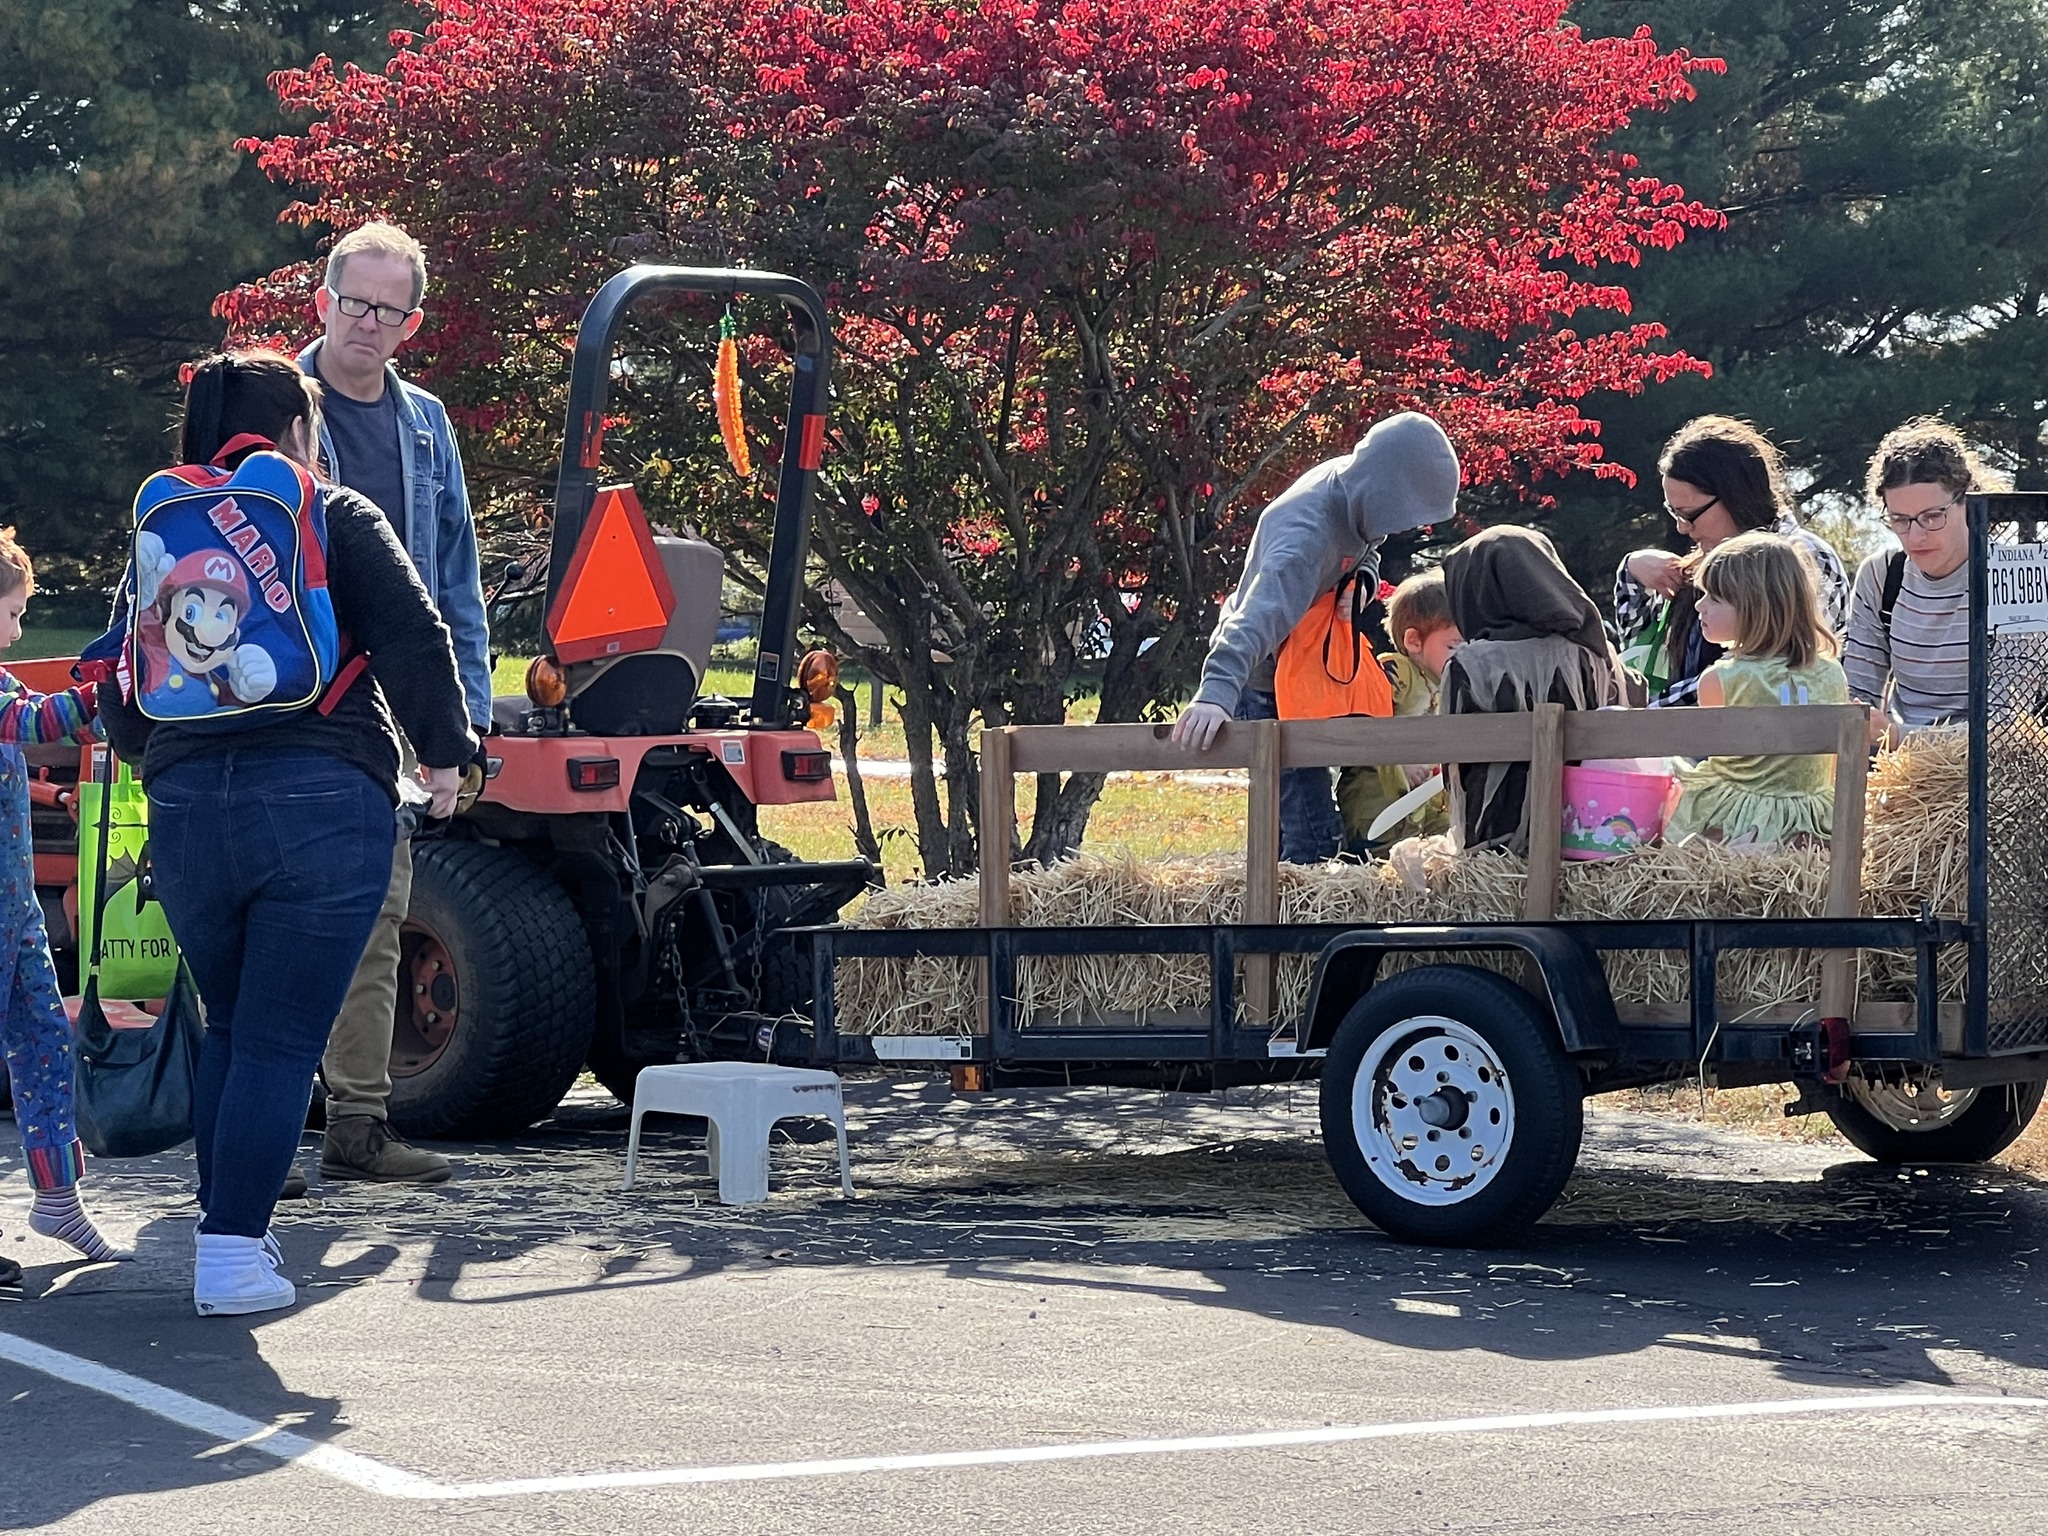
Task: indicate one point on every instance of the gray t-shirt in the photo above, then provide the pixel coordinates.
(1925, 661)
(366, 448)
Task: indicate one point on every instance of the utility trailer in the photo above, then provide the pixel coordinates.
(1452, 1095)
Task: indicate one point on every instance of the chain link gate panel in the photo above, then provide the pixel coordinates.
(2009, 793)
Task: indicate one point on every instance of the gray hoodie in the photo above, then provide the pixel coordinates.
(1403, 475)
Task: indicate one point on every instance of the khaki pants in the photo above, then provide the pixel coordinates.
(357, 1065)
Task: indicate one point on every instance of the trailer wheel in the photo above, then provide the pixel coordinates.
(496, 994)
(1451, 1113)
(1923, 1123)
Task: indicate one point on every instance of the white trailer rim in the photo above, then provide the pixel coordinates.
(1433, 1111)
(1921, 1106)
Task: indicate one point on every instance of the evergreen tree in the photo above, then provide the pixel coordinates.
(125, 207)
(1884, 172)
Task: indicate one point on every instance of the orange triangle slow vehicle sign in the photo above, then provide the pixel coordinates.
(616, 597)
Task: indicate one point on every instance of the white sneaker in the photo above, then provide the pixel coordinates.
(233, 1276)
(269, 1246)
(269, 1240)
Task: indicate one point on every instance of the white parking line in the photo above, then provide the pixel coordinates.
(218, 1423)
(394, 1482)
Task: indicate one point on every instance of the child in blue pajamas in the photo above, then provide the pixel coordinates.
(35, 1032)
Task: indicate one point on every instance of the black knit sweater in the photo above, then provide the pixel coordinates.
(383, 609)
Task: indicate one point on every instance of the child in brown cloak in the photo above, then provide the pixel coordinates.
(1532, 636)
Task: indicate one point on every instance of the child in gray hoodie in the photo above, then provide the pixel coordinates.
(1327, 525)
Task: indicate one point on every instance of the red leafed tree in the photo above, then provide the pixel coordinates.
(1104, 277)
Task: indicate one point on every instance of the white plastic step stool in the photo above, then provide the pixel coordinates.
(740, 1101)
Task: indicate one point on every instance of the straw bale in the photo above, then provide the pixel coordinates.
(1915, 851)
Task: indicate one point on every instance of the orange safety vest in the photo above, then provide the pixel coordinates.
(1326, 667)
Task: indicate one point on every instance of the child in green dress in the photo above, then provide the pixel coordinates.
(1759, 602)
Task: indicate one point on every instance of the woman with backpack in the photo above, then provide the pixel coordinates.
(271, 820)
(1907, 651)
(1721, 477)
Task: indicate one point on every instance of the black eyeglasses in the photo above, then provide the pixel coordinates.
(355, 309)
(1933, 520)
(1686, 519)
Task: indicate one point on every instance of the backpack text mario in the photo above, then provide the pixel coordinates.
(226, 619)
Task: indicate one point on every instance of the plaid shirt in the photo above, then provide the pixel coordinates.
(1637, 608)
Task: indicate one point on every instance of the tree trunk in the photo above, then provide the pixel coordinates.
(932, 849)
(865, 842)
(1061, 820)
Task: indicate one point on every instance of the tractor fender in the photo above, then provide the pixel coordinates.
(1573, 978)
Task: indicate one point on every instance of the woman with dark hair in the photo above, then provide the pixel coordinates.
(1721, 477)
(271, 843)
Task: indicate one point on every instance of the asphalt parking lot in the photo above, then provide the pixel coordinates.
(1074, 1310)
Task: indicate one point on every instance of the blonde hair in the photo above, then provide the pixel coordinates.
(17, 571)
(1420, 603)
(378, 238)
(1927, 451)
(1771, 584)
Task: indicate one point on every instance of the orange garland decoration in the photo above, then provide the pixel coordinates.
(725, 394)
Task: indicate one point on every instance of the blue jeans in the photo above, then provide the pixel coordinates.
(1310, 828)
(271, 864)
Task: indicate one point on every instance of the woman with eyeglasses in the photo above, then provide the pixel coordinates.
(1907, 651)
(1721, 477)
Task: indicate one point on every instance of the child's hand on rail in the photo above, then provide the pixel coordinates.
(1198, 726)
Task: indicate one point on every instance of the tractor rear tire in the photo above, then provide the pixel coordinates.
(1893, 1125)
(617, 1072)
(519, 1014)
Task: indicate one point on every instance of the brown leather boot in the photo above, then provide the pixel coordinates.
(364, 1147)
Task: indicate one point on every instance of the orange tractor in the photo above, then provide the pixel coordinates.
(609, 900)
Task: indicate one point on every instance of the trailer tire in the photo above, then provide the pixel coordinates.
(1480, 1157)
(523, 994)
(1973, 1126)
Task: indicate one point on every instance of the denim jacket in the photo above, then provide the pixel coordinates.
(440, 535)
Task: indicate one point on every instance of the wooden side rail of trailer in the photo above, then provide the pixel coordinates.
(1546, 739)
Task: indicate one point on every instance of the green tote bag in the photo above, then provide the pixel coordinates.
(124, 939)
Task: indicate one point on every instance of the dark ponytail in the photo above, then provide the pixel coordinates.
(232, 393)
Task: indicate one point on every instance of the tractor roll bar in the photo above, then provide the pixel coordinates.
(802, 446)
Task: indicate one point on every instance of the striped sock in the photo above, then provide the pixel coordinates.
(58, 1213)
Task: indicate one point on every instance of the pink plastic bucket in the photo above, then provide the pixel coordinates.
(1608, 813)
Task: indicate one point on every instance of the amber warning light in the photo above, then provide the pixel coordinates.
(818, 675)
(616, 597)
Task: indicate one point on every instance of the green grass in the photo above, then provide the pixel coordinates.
(1153, 815)
(38, 642)
(736, 681)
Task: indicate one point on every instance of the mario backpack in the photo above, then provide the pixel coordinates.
(227, 621)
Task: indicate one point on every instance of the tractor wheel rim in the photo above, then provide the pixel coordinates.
(1921, 1106)
(429, 1007)
(1433, 1111)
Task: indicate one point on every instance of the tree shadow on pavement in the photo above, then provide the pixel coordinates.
(63, 1448)
(1671, 1237)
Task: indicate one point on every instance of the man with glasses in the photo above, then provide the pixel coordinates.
(1907, 650)
(390, 440)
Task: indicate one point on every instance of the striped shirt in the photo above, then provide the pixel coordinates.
(1925, 661)
(34, 719)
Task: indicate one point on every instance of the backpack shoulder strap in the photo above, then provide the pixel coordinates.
(1894, 583)
(344, 678)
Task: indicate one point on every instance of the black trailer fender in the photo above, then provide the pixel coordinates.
(1573, 978)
